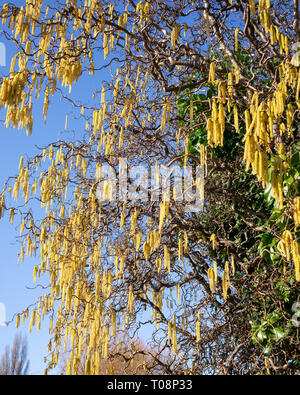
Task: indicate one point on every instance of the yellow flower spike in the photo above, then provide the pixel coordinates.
(215, 272)
(185, 242)
(18, 320)
(174, 335)
(236, 118)
(122, 220)
(296, 258)
(21, 162)
(210, 133)
(232, 265)
(178, 292)
(62, 211)
(267, 365)
(12, 214)
(273, 35)
(198, 327)
(66, 122)
(146, 250)
(213, 240)
(247, 120)
(35, 271)
(180, 249)
(211, 75)
(236, 39)
(167, 259)
(191, 112)
(211, 277)
(252, 7)
(222, 117)
(297, 211)
(225, 281)
(138, 241)
(162, 214)
(169, 331)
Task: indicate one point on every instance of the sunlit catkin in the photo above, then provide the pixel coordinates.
(198, 327)
(167, 259)
(225, 281)
(211, 277)
(236, 118)
(236, 39)
(297, 211)
(211, 76)
(213, 240)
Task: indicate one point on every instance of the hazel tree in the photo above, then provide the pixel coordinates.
(197, 84)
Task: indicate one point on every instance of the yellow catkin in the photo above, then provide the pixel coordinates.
(130, 300)
(215, 272)
(167, 259)
(222, 93)
(185, 242)
(180, 249)
(174, 335)
(162, 214)
(21, 162)
(298, 87)
(213, 240)
(232, 265)
(202, 155)
(169, 331)
(198, 327)
(297, 211)
(236, 118)
(211, 76)
(133, 220)
(207, 28)
(296, 258)
(178, 292)
(267, 365)
(237, 75)
(247, 120)
(273, 35)
(225, 282)
(35, 271)
(222, 117)
(66, 122)
(18, 320)
(175, 34)
(217, 133)
(252, 7)
(236, 39)
(186, 148)
(138, 241)
(12, 214)
(122, 220)
(211, 277)
(210, 133)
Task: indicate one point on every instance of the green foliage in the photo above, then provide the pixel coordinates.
(246, 202)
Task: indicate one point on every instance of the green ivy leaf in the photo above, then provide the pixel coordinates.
(279, 333)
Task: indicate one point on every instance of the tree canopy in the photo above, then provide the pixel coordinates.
(189, 84)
